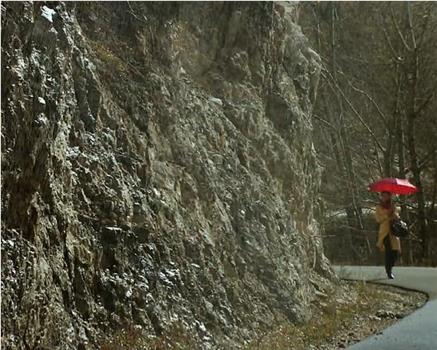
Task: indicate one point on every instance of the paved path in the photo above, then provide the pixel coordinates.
(416, 331)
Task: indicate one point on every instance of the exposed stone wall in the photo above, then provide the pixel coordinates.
(157, 168)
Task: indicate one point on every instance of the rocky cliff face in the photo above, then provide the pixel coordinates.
(157, 171)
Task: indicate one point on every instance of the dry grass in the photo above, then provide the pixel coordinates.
(345, 316)
(132, 338)
(108, 57)
(336, 319)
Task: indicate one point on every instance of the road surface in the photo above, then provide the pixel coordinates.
(416, 331)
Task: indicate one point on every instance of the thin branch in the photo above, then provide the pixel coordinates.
(396, 56)
(135, 16)
(410, 24)
(325, 122)
(428, 99)
(427, 158)
(427, 15)
(355, 112)
(383, 117)
(395, 22)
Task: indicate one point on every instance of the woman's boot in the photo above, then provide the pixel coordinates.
(388, 270)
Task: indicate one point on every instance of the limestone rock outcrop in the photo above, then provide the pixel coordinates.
(157, 170)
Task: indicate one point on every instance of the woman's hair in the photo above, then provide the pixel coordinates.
(388, 204)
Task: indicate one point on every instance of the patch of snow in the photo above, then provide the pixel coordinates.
(216, 100)
(151, 247)
(73, 152)
(41, 101)
(170, 273)
(129, 293)
(70, 331)
(143, 286)
(47, 13)
(113, 228)
(20, 68)
(202, 327)
(42, 120)
(88, 64)
(342, 213)
(174, 318)
(82, 335)
(53, 30)
(12, 338)
(156, 192)
(164, 278)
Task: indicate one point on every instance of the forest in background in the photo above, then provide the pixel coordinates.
(375, 117)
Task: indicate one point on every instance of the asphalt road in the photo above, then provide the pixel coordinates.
(416, 331)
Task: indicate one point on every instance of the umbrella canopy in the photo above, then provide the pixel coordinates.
(393, 185)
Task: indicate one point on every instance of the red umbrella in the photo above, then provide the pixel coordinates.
(393, 185)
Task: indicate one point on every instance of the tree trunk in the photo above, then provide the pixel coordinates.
(408, 251)
(415, 169)
(412, 78)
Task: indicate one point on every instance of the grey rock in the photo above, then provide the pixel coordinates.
(168, 176)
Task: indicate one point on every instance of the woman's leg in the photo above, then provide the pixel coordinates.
(388, 256)
(391, 262)
(394, 257)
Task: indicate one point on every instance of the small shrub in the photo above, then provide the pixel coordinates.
(108, 57)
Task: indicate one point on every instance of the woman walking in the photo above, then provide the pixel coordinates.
(387, 242)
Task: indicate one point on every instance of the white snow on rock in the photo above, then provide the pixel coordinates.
(113, 228)
(42, 120)
(201, 326)
(182, 71)
(72, 152)
(41, 101)
(47, 13)
(216, 100)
